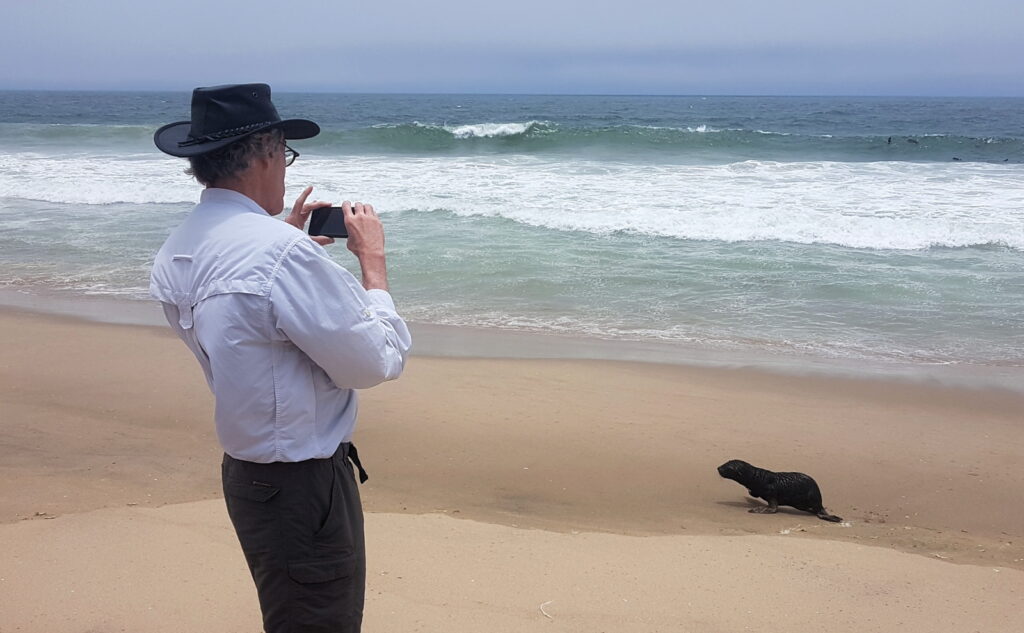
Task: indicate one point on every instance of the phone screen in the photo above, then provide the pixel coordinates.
(329, 222)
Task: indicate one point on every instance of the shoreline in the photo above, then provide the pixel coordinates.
(451, 341)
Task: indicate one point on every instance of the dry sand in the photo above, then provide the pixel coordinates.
(499, 486)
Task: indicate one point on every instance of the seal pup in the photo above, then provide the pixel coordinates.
(796, 490)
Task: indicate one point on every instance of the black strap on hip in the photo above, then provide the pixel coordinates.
(353, 456)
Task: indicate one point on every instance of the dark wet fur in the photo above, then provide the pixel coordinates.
(796, 490)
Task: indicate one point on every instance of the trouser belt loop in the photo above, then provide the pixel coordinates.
(353, 456)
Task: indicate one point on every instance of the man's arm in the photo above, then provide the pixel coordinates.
(353, 334)
(365, 236)
(366, 241)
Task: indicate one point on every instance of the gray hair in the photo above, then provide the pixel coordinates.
(232, 160)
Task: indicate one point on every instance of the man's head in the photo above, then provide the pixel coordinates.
(254, 166)
(236, 135)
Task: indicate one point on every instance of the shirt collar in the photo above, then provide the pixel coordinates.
(222, 196)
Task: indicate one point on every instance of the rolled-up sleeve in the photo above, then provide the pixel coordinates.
(356, 336)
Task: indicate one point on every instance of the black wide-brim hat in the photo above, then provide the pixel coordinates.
(222, 115)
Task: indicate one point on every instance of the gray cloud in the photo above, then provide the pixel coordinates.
(726, 47)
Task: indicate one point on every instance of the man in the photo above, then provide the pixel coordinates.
(284, 336)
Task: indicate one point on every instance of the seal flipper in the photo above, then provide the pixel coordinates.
(824, 515)
(771, 508)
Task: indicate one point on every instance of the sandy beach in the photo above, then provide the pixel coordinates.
(517, 495)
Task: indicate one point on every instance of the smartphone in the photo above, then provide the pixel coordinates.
(329, 222)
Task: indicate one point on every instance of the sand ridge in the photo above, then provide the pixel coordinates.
(178, 568)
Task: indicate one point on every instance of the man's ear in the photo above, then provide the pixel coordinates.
(263, 162)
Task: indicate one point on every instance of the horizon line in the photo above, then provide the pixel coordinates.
(545, 94)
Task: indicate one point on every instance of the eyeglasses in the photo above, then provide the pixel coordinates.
(289, 156)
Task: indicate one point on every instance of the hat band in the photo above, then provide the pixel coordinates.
(223, 134)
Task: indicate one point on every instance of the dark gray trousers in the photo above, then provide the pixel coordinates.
(300, 525)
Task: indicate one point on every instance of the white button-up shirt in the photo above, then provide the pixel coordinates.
(283, 333)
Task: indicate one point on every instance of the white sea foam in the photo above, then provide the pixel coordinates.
(490, 130)
(94, 180)
(479, 130)
(860, 205)
(883, 205)
(700, 129)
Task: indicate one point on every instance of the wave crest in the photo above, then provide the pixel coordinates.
(693, 143)
(687, 143)
(495, 130)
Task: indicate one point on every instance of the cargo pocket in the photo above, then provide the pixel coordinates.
(325, 594)
(322, 570)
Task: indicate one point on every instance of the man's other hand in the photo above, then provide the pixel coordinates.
(301, 212)
(366, 241)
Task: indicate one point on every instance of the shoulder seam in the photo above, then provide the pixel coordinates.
(280, 260)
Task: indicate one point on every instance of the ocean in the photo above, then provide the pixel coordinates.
(885, 234)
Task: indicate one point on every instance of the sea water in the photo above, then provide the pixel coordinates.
(876, 230)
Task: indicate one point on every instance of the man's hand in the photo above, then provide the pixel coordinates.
(366, 241)
(300, 215)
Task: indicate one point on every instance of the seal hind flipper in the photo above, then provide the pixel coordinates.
(824, 515)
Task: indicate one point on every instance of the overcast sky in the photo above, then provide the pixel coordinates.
(797, 47)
